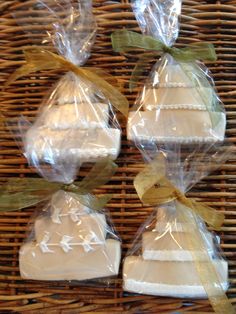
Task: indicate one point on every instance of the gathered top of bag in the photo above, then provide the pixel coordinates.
(159, 19)
(69, 25)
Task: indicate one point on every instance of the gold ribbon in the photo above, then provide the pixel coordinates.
(154, 188)
(206, 270)
(38, 59)
(19, 193)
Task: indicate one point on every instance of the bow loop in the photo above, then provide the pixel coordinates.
(39, 59)
(36, 190)
(124, 40)
(154, 188)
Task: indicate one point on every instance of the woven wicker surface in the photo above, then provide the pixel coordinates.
(201, 20)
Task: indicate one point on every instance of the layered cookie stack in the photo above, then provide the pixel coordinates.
(74, 127)
(178, 108)
(70, 242)
(166, 266)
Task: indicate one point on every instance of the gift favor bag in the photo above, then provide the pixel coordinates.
(77, 120)
(71, 236)
(178, 123)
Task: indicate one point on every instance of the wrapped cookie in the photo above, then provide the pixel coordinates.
(178, 103)
(77, 121)
(162, 260)
(178, 124)
(71, 236)
(173, 253)
(70, 241)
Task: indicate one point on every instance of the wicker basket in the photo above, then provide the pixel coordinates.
(211, 20)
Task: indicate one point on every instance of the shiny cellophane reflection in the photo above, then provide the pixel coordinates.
(162, 259)
(76, 122)
(69, 241)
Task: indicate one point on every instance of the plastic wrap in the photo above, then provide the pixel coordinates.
(70, 241)
(159, 19)
(178, 123)
(163, 262)
(178, 103)
(76, 122)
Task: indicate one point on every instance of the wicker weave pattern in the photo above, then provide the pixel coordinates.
(211, 20)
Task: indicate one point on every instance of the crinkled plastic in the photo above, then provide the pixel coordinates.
(178, 116)
(70, 241)
(159, 19)
(76, 122)
(178, 104)
(162, 262)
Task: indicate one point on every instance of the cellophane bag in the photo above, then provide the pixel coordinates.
(178, 123)
(76, 122)
(162, 262)
(70, 241)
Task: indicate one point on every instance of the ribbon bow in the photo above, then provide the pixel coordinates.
(123, 40)
(38, 59)
(154, 188)
(19, 193)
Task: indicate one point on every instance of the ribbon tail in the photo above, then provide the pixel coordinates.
(211, 216)
(22, 71)
(38, 59)
(117, 99)
(123, 40)
(17, 201)
(19, 193)
(100, 174)
(93, 202)
(207, 272)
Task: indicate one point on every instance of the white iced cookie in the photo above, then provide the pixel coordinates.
(76, 116)
(63, 204)
(176, 125)
(173, 246)
(73, 145)
(69, 221)
(170, 74)
(80, 230)
(175, 98)
(177, 218)
(168, 278)
(103, 261)
(73, 128)
(179, 107)
(71, 89)
(70, 243)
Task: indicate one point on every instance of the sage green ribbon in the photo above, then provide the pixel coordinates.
(124, 40)
(19, 193)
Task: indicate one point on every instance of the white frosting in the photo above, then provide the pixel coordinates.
(171, 74)
(84, 146)
(71, 89)
(168, 278)
(176, 98)
(176, 106)
(174, 246)
(74, 264)
(177, 126)
(161, 289)
(78, 116)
